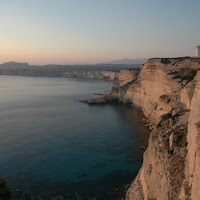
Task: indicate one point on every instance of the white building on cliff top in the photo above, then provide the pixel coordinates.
(197, 51)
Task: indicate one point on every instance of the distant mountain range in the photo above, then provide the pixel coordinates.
(14, 65)
(128, 61)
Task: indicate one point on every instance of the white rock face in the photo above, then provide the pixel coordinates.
(168, 92)
(127, 75)
(89, 74)
(193, 137)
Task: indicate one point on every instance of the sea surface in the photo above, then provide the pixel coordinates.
(61, 146)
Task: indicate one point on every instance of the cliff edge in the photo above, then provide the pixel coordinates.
(168, 92)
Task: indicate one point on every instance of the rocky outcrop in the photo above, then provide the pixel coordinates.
(127, 76)
(168, 92)
(124, 77)
(104, 99)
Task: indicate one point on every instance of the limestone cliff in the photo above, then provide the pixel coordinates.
(43, 72)
(90, 74)
(127, 76)
(107, 72)
(168, 92)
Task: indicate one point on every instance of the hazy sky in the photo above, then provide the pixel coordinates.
(92, 31)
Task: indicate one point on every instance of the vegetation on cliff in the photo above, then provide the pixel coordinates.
(5, 190)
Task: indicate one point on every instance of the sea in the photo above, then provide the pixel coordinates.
(52, 144)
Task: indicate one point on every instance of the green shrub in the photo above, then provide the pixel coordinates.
(189, 77)
(5, 190)
(165, 61)
(166, 116)
(198, 126)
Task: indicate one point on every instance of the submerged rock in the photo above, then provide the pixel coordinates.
(82, 175)
(100, 165)
(141, 147)
(101, 100)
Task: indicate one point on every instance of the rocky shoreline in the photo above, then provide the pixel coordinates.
(107, 72)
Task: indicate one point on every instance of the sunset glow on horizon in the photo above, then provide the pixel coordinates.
(90, 31)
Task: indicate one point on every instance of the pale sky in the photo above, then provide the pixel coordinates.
(93, 31)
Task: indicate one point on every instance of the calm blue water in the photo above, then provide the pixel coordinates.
(61, 145)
